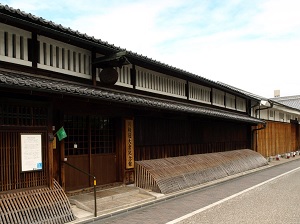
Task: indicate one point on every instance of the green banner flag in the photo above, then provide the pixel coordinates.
(61, 134)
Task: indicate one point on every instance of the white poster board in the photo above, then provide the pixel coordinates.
(31, 152)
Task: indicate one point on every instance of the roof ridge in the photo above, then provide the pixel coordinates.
(86, 37)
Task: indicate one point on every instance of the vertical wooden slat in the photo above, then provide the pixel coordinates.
(25, 48)
(43, 205)
(10, 154)
(2, 46)
(277, 138)
(9, 45)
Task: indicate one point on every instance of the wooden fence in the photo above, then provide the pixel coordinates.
(277, 138)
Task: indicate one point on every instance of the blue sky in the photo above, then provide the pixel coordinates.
(250, 44)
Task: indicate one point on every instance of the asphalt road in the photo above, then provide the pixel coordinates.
(235, 201)
(277, 201)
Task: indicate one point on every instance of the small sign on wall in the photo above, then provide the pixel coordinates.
(129, 132)
(31, 152)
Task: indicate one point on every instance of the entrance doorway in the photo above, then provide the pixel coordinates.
(90, 146)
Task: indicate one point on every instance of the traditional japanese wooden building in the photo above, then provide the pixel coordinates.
(280, 133)
(116, 107)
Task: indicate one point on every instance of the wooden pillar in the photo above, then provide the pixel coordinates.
(50, 159)
(90, 160)
(133, 76)
(62, 156)
(187, 90)
(119, 149)
(34, 50)
(50, 146)
(94, 69)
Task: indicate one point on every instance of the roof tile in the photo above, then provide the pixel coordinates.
(13, 80)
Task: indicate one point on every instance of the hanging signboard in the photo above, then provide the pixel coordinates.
(31, 152)
(129, 131)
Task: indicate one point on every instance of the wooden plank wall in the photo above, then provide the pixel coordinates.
(81, 180)
(165, 137)
(276, 138)
(11, 177)
(103, 167)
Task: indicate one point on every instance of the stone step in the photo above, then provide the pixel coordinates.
(112, 199)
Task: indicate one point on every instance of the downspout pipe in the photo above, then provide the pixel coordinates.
(264, 124)
(255, 131)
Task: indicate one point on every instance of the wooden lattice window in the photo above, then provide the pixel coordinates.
(101, 138)
(76, 127)
(102, 135)
(20, 115)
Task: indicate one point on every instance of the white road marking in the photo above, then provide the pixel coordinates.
(228, 198)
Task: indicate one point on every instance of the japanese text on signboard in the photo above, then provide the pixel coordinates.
(129, 144)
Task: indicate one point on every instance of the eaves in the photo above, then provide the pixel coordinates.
(13, 80)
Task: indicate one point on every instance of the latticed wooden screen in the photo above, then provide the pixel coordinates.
(14, 120)
(79, 128)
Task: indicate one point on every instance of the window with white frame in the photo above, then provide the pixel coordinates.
(218, 97)
(14, 45)
(199, 93)
(281, 116)
(230, 101)
(240, 104)
(65, 58)
(156, 82)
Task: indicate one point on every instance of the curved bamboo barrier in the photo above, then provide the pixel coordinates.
(40, 205)
(176, 173)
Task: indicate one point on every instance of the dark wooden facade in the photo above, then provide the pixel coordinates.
(21, 116)
(55, 84)
(162, 137)
(98, 131)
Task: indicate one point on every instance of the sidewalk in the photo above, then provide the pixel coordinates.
(123, 198)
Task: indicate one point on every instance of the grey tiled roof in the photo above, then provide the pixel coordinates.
(90, 39)
(17, 80)
(290, 101)
(252, 95)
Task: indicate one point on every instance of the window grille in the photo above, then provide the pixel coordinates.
(199, 93)
(14, 45)
(18, 115)
(281, 116)
(230, 101)
(155, 82)
(102, 136)
(64, 58)
(240, 104)
(218, 97)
